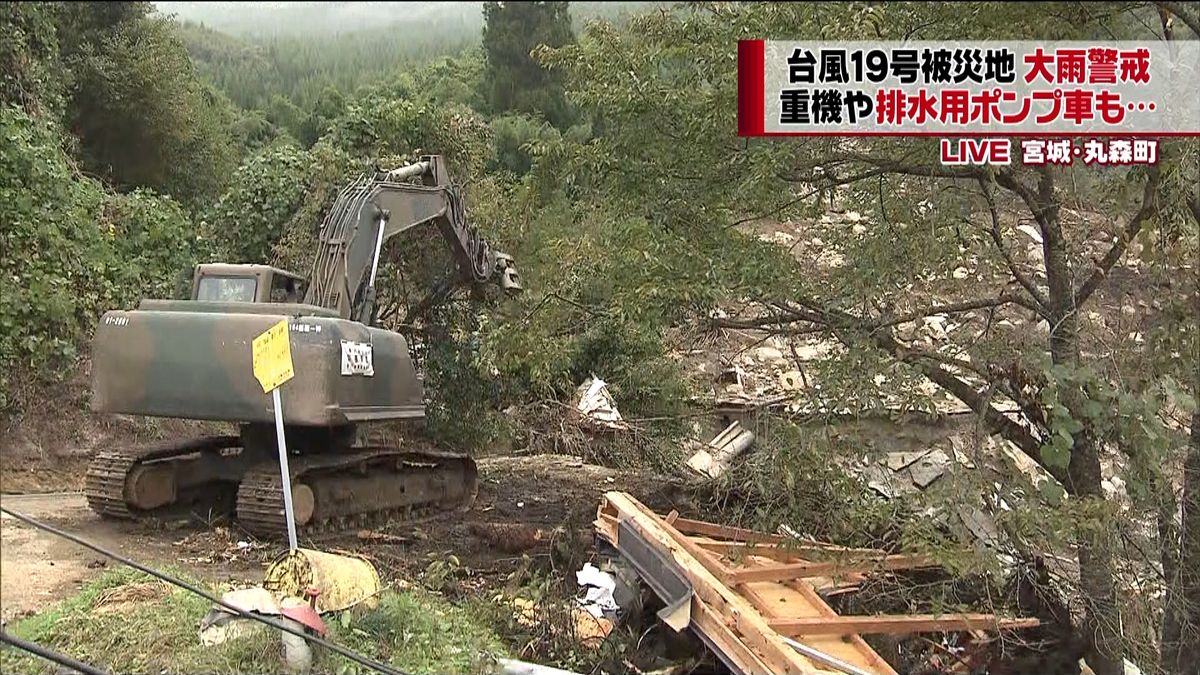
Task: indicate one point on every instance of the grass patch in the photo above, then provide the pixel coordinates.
(125, 621)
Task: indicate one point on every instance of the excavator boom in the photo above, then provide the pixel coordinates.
(380, 206)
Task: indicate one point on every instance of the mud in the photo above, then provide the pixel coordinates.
(552, 499)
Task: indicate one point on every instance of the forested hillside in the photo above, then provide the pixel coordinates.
(603, 156)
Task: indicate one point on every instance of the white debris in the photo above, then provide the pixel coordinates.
(792, 380)
(929, 468)
(596, 406)
(900, 460)
(768, 354)
(600, 586)
(714, 459)
(220, 624)
(1031, 232)
(297, 655)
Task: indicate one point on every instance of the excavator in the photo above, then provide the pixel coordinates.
(192, 359)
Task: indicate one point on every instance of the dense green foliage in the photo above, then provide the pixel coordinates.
(244, 224)
(301, 69)
(71, 250)
(29, 71)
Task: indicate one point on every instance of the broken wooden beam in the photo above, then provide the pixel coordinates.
(730, 620)
(688, 526)
(896, 624)
(788, 552)
(801, 570)
(735, 536)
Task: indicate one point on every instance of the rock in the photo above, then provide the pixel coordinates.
(929, 468)
(768, 354)
(900, 460)
(792, 380)
(1031, 232)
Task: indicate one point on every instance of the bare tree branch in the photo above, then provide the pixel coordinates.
(889, 165)
(1176, 8)
(1006, 179)
(1043, 303)
(914, 353)
(950, 308)
(1148, 207)
(1010, 429)
(789, 315)
(780, 324)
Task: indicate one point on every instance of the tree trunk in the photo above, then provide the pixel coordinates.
(1169, 548)
(1101, 618)
(1188, 659)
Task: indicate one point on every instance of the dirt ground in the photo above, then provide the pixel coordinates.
(529, 508)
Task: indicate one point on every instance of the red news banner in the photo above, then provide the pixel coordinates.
(1093, 102)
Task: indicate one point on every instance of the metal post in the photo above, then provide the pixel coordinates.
(383, 220)
(283, 468)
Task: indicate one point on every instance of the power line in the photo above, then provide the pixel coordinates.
(50, 655)
(357, 658)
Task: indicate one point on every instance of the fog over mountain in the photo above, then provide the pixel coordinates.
(300, 18)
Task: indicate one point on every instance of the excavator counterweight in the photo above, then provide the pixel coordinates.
(191, 359)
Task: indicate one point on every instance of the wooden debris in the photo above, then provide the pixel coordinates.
(821, 569)
(898, 624)
(515, 537)
(384, 537)
(724, 615)
(753, 592)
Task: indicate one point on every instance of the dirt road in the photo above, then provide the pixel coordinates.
(37, 568)
(522, 500)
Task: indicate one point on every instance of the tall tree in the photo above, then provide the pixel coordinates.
(935, 241)
(141, 115)
(513, 81)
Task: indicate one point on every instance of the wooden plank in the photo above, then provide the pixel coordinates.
(735, 612)
(896, 624)
(877, 662)
(713, 625)
(800, 570)
(776, 600)
(738, 534)
(782, 553)
(688, 526)
(703, 617)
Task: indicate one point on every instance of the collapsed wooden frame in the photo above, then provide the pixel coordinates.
(752, 592)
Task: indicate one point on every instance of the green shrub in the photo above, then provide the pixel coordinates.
(511, 136)
(248, 220)
(70, 250)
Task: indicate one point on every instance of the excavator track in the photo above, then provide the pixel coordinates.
(107, 484)
(363, 487)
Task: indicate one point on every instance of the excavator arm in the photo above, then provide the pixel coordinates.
(379, 206)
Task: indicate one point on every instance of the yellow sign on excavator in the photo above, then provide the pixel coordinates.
(273, 357)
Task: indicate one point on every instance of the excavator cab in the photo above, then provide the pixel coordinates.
(219, 282)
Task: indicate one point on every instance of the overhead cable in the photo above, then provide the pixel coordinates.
(357, 658)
